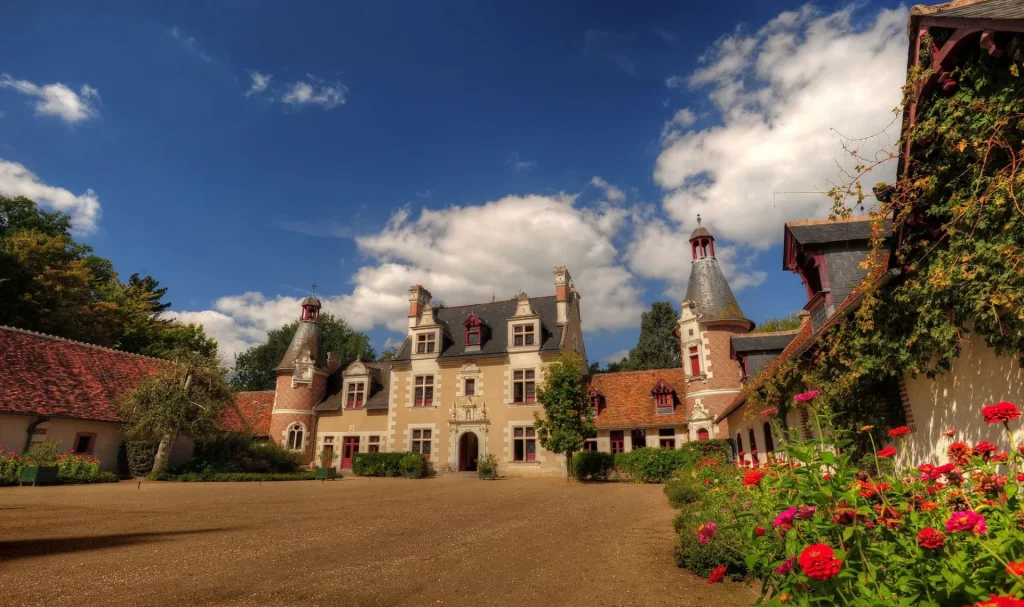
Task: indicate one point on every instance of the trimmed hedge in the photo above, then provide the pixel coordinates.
(413, 464)
(681, 492)
(238, 452)
(647, 465)
(232, 477)
(720, 448)
(377, 464)
(140, 457)
(592, 465)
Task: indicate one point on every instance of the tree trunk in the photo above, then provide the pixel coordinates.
(163, 453)
(568, 465)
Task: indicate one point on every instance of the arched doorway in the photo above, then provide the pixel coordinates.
(469, 452)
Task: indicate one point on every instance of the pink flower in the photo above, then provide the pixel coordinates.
(805, 513)
(770, 411)
(967, 520)
(785, 518)
(807, 397)
(786, 566)
(706, 531)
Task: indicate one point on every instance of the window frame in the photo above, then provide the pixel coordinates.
(469, 386)
(666, 438)
(524, 335)
(373, 444)
(524, 382)
(421, 384)
(617, 438)
(355, 389)
(420, 440)
(426, 342)
(92, 443)
(474, 331)
(528, 437)
(295, 430)
(693, 352)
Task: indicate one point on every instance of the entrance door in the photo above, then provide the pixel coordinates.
(349, 447)
(469, 452)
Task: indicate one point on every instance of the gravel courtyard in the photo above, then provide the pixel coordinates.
(356, 541)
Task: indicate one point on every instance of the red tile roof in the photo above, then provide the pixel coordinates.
(46, 375)
(628, 402)
(251, 412)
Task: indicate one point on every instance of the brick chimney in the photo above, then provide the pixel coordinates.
(419, 299)
(563, 283)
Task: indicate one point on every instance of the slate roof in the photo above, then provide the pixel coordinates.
(47, 375)
(306, 339)
(756, 342)
(709, 291)
(983, 9)
(250, 413)
(628, 402)
(818, 231)
(380, 382)
(494, 316)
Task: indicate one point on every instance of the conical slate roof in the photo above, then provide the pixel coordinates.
(710, 292)
(307, 339)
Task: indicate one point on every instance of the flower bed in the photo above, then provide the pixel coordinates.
(72, 468)
(817, 531)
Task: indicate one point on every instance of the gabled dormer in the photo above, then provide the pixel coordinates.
(476, 333)
(664, 397)
(524, 327)
(597, 400)
(425, 332)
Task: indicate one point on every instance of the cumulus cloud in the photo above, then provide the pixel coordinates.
(611, 192)
(57, 99)
(784, 95)
(260, 82)
(84, 209)
(315, 92)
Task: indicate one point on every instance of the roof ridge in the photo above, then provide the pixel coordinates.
(765, 333)
(487, 303)
(80, 343)
(595, 375)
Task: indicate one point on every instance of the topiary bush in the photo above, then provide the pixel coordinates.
(377, 464)
(140, 457)
(592, 465)
(413, 465)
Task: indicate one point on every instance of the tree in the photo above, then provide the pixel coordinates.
(568, 419)
(787, 323)
(657, 347)
(388, 353)
(184, 399)
(254, 368)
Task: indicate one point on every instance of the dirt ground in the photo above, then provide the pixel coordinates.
(355, 541)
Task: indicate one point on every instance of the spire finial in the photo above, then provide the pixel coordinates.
(316, 285)
(698, 219)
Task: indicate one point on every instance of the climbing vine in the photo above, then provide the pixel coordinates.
(958, 208)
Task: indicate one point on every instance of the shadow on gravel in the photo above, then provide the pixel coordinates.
(20, 549)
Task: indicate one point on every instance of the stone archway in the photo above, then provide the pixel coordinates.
(469, 452)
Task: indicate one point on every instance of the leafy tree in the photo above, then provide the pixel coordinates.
(568, 419)
(388, 353)
(787, 323)
(595, 368)
(656, 348)
(254, 368)
(184, 399)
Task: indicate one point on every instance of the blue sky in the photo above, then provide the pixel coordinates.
(240, 151)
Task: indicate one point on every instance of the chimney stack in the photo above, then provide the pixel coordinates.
(563, 283)
(419, 299)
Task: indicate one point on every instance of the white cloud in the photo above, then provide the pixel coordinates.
(675, 82)
(611, 192)
(315, 92)
(84, 209)
(519, 165)
(615, 357)
(57, 99)
(463, 254)
(190, 43)
(260, 82)
(783, 93)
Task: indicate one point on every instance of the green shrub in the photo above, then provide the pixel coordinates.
(45, 453)
(650, 465)
(140, 457)
(413, 465)
(10, 464)
(238, 452)
(377, 464)
(717, 448)
(231, 477)
(592, 465)
(702, 558)
(681, 492)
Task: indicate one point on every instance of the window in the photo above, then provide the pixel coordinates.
(664, 398)
(523, 386)
(590, 445)
(424, 392)
(473, 336)
(522, 335)
(739, 442)
(421, 441)
(356, 392)
(666, 438)
(769, 442)
(639, 438)
(425, 343)
(694, 362)
(524, 444)
(373, 444)
(691, 333)
(85, 442)
(470, 387)
(595, 401)
(753, 441)
(295, 436)
(618, 441)
(703, 434)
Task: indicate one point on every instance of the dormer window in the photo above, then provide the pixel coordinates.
(523, 335)
(664, 397)
(426, 343)
(356, 395)
(595, 400)
(694, 361)
(474, 331)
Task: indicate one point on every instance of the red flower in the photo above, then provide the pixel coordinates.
(899, 431)
(770, 411)
(807, 397)
(984, 448)
(1000, 458)
(786, 566)
(949, 432)
(1002, 412)
(819, 562)
(959, 453)
(887, 452)
(1000, 601)
(1020, 478)
(753, 477)
(1016, 568)
(759, 531)
(716, 574)
(931, 539)
(929, 506)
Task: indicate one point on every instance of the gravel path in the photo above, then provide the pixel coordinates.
(442, 541)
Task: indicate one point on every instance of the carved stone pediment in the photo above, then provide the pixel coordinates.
(356, 368)
(700, 414)
(466, 409)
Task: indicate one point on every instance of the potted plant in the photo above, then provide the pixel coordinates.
(487, 467)
(40, 464)
(413, 465)
(326, 468)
